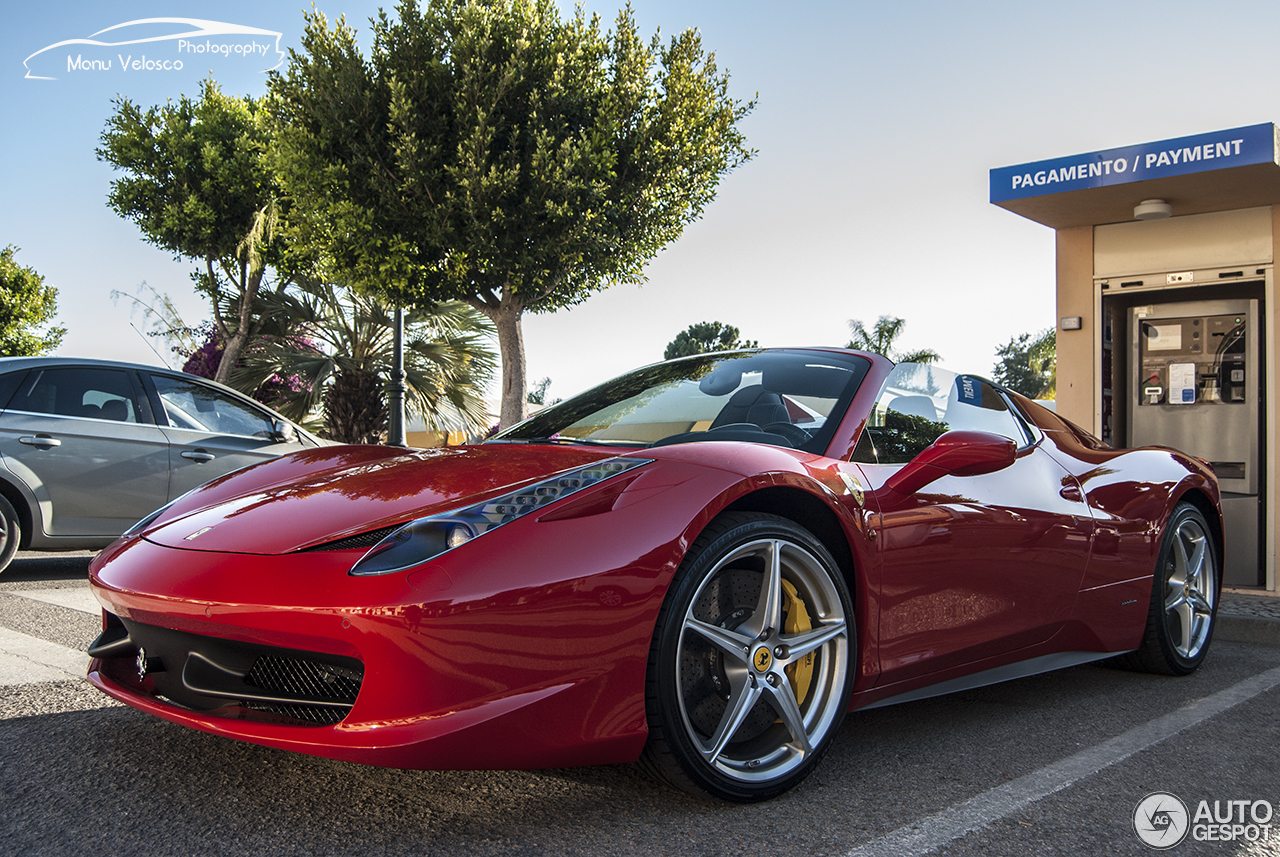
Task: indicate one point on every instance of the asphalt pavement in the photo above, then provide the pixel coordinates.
(1054, 764)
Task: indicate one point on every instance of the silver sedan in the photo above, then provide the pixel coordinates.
(88, 447)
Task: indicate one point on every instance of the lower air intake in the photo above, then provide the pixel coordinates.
(305, 680)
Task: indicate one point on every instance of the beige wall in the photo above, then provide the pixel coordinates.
(1077, 367)
(431, 439)
(1241, 237)
(1222, 239)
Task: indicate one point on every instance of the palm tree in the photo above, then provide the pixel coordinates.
(447, 361)
(881, 338)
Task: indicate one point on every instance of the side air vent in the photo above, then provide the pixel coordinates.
(361, 540)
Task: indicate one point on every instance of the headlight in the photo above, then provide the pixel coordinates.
(426, 538)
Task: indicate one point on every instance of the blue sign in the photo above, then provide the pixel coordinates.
(1218, 150)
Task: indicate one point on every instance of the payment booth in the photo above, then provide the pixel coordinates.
(1166, 308)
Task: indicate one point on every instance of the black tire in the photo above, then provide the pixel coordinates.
(747, 684)
(10, 533)
(1184, 598)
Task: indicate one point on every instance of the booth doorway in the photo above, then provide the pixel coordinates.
(1184, 367)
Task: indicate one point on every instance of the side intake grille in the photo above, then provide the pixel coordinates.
(305, 678)
(319, 716)
(361, 540)
(308, 679)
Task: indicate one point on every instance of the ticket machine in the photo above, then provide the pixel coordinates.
(1194, 370)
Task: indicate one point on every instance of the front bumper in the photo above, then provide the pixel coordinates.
(488, 658)
(225, 679)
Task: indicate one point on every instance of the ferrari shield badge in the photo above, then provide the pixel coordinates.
(854, 486)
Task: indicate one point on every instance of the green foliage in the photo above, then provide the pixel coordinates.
(26, 304)
(901, 438)
(881, 338)
(447, 359)
(1029, 365)
(197, 183)
(705, 337)
(492, 152)
(164, 318)
(538, 395)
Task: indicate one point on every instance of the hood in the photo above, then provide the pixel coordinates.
(344, 492)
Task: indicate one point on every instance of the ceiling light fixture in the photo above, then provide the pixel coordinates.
(1152, 209)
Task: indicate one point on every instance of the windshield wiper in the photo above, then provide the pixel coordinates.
(586, 441)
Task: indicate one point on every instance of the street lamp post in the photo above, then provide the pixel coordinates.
(396, 389)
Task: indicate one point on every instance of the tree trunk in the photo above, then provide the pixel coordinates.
(230, 352)
(506, 318)
(353, 408)
(234, 343)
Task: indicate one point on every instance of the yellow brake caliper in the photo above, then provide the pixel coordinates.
(801, 672)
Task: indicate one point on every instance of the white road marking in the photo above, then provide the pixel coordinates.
(928, 834)
(26, 660)
(76, 599)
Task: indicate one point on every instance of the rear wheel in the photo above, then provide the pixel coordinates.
(1184, 598)
(749, 669)
(10, 533)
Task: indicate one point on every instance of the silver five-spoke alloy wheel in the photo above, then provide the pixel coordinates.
(1191, 588)
(1184, 597)
(751, 661)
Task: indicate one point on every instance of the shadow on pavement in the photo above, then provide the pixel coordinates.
(29, 566)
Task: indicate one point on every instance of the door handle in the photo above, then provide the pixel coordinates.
(41, 441)
(198, 455)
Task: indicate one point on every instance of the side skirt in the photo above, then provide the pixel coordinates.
(1022, 669)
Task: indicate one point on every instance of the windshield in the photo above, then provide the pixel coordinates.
(788, 398)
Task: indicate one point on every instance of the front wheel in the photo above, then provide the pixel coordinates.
(751, 661)
(1184, 598)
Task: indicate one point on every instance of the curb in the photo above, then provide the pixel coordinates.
(1248, 629)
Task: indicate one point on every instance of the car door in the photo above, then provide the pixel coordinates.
(82, 440)
(972, 566)
(211, 431)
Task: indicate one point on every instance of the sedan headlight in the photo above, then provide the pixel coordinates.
(426, 538)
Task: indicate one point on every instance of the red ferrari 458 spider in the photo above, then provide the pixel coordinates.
(702, 565)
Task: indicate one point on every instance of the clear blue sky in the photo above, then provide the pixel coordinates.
(876, 126)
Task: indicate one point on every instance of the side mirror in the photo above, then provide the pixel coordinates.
(956, 453)
(283, 432)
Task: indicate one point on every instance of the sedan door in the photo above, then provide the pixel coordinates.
(212, 432)
(82, 441)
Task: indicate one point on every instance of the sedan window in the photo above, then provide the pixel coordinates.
(192, 405)
(104, 394)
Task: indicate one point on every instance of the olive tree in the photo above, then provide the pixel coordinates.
(196, 182)
(704, 337)
(26, 305)
(492, 152)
